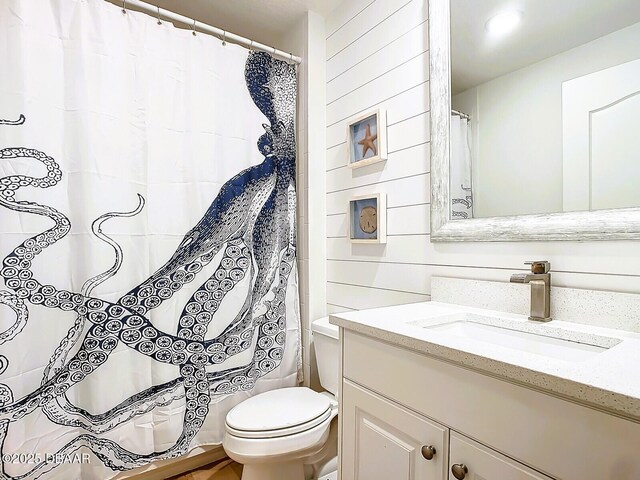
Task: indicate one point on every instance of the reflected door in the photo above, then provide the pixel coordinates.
(601, 143)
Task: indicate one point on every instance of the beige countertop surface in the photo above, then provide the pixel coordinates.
(605, 372)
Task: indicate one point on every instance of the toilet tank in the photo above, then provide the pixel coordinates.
(325, 340)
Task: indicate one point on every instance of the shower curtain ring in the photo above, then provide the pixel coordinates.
(194, 27)
(224, 38)
(124, 7)
(159, 22)
(251, 46)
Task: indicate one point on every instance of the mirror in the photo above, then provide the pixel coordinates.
(534, 114)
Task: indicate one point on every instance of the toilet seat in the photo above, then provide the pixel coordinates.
(268, 450)
(279, 413)
(280, 432)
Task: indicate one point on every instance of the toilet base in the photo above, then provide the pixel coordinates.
(273, 471)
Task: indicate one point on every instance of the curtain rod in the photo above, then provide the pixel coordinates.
(461, 114)
(203, 27)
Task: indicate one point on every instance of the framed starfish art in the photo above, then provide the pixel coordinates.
(367, 139)
(368, 218)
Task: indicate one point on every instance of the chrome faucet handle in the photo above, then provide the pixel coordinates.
(539, 266)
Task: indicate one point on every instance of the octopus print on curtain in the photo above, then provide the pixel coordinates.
(147, 237)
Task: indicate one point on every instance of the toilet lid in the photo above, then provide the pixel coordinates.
(279, 409)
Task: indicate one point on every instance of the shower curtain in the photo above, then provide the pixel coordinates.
(147, 237)
(460, 169)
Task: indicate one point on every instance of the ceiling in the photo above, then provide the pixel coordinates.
(265, 21)
(548, 27)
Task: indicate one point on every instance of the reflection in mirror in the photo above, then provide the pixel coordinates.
(545, 99)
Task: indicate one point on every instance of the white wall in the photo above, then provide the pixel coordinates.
(375, 57)
(308, 41)
(517, 121)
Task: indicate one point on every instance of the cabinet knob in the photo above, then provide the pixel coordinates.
(428, 451)
(459, 470)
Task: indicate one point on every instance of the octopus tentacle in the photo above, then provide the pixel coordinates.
(19, 121)
(96, 228)
(21, 312)
(205, 240)
(73, 335)
(63, 412)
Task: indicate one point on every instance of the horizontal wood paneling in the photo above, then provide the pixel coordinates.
(401, 277)
(365, 297)
(399, 249)
(403, 163)
(413, 131)
(409, 220)
(406, 104)
(373, 268)
(401, 50)
(416, 278)
(346, 13)
(396, 81)
(331, 309)
(361, 76)
(566, 258)
(382, 63)
(405, 191)
(608, 258)
(367, 20)
(405, 220)
(386, 31)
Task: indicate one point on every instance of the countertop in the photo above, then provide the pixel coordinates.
(609, 380)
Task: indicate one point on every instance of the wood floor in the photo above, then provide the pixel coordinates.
(225, 469)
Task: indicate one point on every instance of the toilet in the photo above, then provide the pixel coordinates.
(276, 433)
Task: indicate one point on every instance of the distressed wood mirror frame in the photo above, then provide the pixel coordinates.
(613, 224)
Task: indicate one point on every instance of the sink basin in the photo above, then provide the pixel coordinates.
(525, 337)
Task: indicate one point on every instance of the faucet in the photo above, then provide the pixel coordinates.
(540, 280)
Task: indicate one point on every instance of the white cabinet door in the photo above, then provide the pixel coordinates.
(470, 460)
(382, 440)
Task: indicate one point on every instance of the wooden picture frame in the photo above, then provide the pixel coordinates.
(367, 216)
(372, 123)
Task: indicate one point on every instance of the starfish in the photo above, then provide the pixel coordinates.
(368, 142)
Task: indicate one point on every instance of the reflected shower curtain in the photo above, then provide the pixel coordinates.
(460, 169)
(147, 237)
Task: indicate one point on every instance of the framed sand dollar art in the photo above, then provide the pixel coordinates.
(368, 219)
(367, 138)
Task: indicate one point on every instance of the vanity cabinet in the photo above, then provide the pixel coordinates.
(474, 461)
(383, 440)
(394, 401)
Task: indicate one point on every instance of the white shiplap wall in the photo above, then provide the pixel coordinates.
(377, 55)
